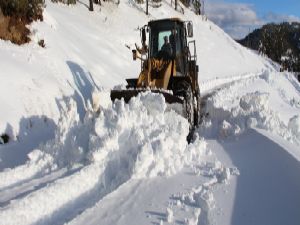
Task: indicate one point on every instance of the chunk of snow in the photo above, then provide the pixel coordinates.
(255, 101)
(225, 175)
(251, 122)
(205, 199)
(294, 126)
(169, 215)
(225, 129)
(194, 219)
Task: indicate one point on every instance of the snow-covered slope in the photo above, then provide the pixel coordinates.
(87, 50)
(80, 162)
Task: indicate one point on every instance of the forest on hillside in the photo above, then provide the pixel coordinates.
(280, 42)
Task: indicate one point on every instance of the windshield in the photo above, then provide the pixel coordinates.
(164, 40)
(161, 36)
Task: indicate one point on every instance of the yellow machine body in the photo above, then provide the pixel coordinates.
(157, 74)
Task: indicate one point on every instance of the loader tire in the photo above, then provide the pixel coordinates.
(197, 109)
(184, 90)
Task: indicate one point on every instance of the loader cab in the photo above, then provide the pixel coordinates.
(167, 41)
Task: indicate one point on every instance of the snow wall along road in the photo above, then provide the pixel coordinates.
(115, 143)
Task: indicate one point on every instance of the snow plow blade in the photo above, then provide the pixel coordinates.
(128, 94)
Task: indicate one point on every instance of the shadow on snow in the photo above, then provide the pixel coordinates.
(268, 188)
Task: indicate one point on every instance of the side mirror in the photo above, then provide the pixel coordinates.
(134, 56)
(143, 36)
(189, 27)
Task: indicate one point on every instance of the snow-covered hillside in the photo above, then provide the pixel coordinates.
(87, 50)
(75, 161)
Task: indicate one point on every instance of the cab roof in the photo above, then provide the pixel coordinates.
(163, 21)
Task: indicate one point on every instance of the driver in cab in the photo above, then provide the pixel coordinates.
(167, 47)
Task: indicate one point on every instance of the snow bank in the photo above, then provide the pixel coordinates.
(144, 131)
(263, 103)
(120, 141)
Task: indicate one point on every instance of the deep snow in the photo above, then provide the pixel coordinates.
(77, 158)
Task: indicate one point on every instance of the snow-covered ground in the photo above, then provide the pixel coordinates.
(78, 162)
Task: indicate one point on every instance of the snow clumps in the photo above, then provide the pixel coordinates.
(142, 138)
(148, 139)
(232, 111)
(169, 215)
(294, 125)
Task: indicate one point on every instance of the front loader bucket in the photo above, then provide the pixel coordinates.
(128, 94)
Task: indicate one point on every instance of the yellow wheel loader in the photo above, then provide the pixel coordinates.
(168, 66)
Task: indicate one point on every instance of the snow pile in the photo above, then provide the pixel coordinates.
(118, 142)
(71, 141)
(232, 112)
(215, 170)
(145, 135)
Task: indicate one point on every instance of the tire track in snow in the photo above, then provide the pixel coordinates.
(67, 197)
(45, 205)
(63, 199)
(26, 188)
(210, 86)
(38, 165)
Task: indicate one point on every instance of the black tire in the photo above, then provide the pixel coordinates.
(184, 89)
(197, 110)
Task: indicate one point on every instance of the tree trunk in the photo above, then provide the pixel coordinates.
(91, 8)
(146, 7)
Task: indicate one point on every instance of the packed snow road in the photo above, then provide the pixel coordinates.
(267, 190)
(131, 164)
